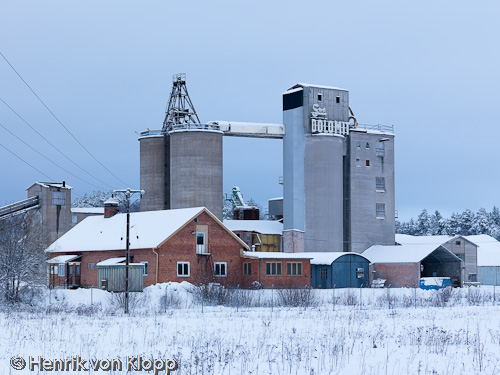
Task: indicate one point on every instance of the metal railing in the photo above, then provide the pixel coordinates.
(377, 127)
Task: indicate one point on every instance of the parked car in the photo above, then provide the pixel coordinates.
(428, 283)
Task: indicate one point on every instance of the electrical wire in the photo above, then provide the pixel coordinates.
(46, 158)
(60, 122)
(24, 161)
(53, 146)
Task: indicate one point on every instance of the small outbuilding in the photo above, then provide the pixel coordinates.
(339, 270)
(111, 275)
(403, 266)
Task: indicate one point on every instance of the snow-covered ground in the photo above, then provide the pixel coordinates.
(387, 333)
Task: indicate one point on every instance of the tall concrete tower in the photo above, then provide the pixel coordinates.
(181, 165)
(316, 123)
(338, 177)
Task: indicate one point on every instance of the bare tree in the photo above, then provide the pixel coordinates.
(22, 260)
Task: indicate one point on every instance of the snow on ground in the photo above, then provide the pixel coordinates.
(369, 331)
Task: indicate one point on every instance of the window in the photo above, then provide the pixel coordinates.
(183, 269)
(367, 145)
(91, 266)
(294, 269)
(320, 97)
(220, 269)
(61, 269)
(461, 256)
(360, 273)
(337, 99)
(53, 270)
(380, 149)
(358, 162)
(323, 273)
(367, 163)
(273, 269)
(77, 269)
(247, 269)
(146, 268)
(74, 219)
(473, 277)
(358, 144)
(458, 243)
(200, 243)
(70, 270)
(195, 220)
(380, 208)
(58, 198)
(380, 183)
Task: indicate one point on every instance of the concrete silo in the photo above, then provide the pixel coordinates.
(316, 121)
(181, 165)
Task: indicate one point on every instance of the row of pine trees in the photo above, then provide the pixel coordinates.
(465, 223)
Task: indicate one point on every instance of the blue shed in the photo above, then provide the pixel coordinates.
(339, 270)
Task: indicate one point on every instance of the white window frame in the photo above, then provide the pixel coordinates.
(377, 187)
(201, 249)
(61, 271)
(188, 270)
(146, 268)
(219, 264)
(378, 212)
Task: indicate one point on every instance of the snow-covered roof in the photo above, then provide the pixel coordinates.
(488, 252)
(87, 210)
(276, 255)
(319, 258)
(147, 230)
(276, 199)
(111, 261)
(317, 86)
(63, 259)
(329, 257)
(50, 184)
(407, 253)
(439, 240)
(258, 226)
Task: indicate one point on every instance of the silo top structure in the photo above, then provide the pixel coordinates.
(181, 165)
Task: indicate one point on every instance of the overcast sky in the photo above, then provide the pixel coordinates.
(430, 68)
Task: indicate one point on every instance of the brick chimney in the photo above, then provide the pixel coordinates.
(110, 207)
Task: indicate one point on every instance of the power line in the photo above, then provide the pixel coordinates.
(24, 161)
(60, 122)
(46, 158)
(53, 146)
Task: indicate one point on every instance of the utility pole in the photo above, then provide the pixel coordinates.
(128, 193)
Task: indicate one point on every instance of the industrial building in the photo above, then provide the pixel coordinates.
(338, 176)
(52, 202)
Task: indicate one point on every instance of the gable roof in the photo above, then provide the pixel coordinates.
(147, 230)
(408, 253)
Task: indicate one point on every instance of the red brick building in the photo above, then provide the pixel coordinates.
(188, 244)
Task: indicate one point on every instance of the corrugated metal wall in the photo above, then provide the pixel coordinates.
(115, 277)
(488, 275)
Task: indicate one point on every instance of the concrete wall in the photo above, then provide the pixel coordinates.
(56, 219)
(196, 170)
(154, 173)
(323, 193)
(362, 228)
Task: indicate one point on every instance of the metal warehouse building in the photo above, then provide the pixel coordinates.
(339, 270)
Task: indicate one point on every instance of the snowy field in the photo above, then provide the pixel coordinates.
(373, 331)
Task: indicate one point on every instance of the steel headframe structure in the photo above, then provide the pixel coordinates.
(180, 109)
